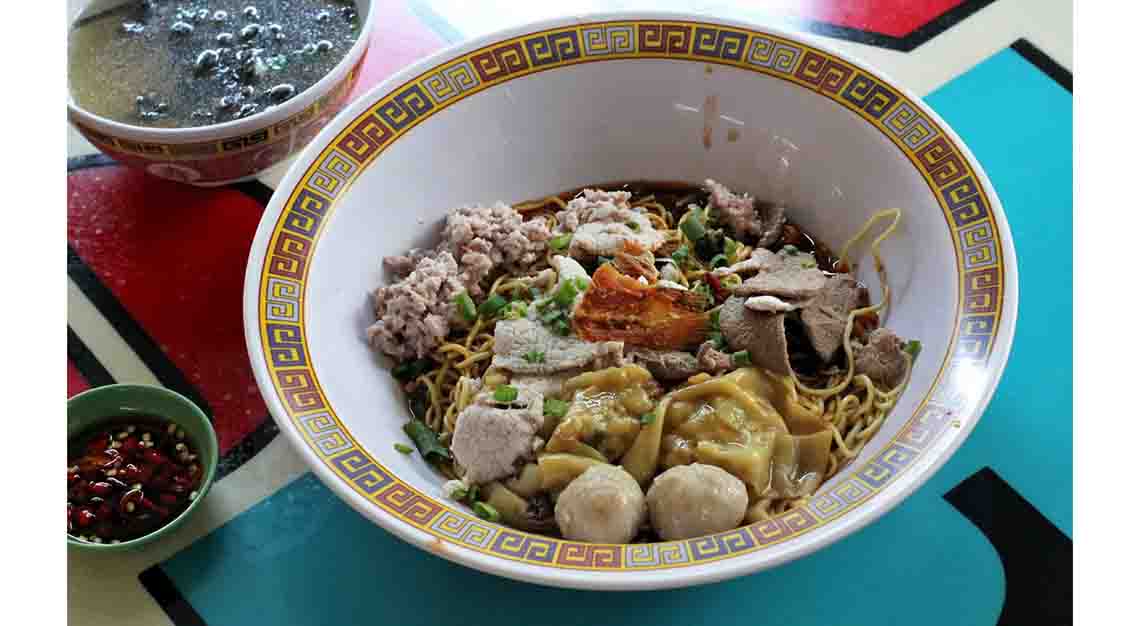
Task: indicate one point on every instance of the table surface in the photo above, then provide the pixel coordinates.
(155, 277)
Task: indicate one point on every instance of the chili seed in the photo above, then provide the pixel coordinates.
(171, 428)
(324, 45)
(220, 16)
(249, 31)
(251, 12)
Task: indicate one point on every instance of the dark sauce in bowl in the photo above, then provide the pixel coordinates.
(176, 64)
(128, 478)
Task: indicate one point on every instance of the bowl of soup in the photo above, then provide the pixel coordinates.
(631, 300)
(211, 92)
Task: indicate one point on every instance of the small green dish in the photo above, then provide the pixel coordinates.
(87, 410)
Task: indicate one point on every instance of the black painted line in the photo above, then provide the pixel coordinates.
(255, 189)
(169, 599)
(1044, 62)
(1036, 556)
(86, 362)
(244, 450)
(85, 161)
(910, 41)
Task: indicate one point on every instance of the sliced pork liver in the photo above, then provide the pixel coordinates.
(786, 276)
(669, 365)
(825, 317)
(761, 334)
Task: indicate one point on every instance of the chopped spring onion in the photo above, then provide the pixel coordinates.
(456, 490)
(581, 283)
(565, 294)
(692, 227)
(634, 226)
(790, 249)
(913, 348)
(561, 242)
(492, 305)
(515, 310)
(409, 370)
(714, 318)
(486, 511)
(534, 356)
(717, 338)
(466, 307)
(719, 261)
(680, 255)
(562, 327)
(427, 442)
(506, 393)
(472, 495)
(403, 449)
(730, 248)
(555, 407)
(648, 418)
(741, 358)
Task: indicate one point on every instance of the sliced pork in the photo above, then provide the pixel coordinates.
(491, 438)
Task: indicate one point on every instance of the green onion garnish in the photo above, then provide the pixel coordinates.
(555, 407)
(411, 369)
(534, 356)
(506, 393)
(486, 511)
(692, 227)
(913, 347)
(634, 226)
(717, 338)
(466, 307)
(561, 242)
(402, 449)
(562, 327)
(680, 255)
(492, 305)
(566, 293)
(790, 249)
(427, 442)
(648, 417)
(581, 283)
(515, 311)
(730, 248)
(741, 358)
(719, 261)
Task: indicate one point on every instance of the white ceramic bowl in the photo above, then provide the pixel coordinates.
(231, 151)
(618, 97)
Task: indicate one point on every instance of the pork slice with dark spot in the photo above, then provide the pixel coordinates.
(668, 365)
(881, 358)
(825, 317)
(712, 360)
(761, 334)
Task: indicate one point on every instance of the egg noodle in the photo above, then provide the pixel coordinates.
(851, 405)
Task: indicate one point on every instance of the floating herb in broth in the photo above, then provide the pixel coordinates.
(176, 64)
